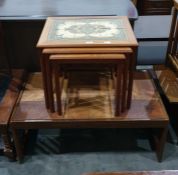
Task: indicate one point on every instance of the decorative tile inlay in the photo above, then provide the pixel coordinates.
(88, 29)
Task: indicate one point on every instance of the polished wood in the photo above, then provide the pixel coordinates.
(99, 50)
(78, 47)
(85, 58)
(147, 110)
(92, 50)
(118, 59)
(169, 84)
(6, 108)
(47, 51)
(163, 172)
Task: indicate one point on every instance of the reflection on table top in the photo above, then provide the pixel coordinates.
(40, 9)
(87, 103)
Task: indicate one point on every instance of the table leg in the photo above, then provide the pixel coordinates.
(119, 71)
(49, 78)
(18, 146)
(58, 88)
(131, 72)
(160, 141)
(44, 73)
(125, 83)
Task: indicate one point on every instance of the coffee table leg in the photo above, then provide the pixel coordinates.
(18, 146)
(160, 142)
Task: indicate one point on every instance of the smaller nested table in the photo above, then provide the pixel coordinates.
(90, 36)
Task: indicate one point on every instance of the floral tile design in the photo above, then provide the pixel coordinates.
(88, 29)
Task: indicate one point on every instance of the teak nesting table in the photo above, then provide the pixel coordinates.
(89, 99)
(88, 40)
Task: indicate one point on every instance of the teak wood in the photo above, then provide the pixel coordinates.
(147, 111)
(84, 45)
(118, 59)
(45, 42)
(113, 50)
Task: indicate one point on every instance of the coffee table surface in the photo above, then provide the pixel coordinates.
(91, 108)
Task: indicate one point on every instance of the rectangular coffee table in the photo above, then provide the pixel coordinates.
(91, 109)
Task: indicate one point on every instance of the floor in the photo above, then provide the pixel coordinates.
(74, 152)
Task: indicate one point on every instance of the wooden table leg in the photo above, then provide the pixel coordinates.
(49, 78)
(160, 141)
(58, 88)
(18, 146)
(125, 83)
(119, 71)
(131, 72)
(43, 70)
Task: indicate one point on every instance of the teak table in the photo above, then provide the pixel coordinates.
(71, 40)
(92, 110)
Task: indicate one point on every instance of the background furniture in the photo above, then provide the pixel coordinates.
(167, 76)
(8, 100)
(24, 23)
(154, 7)
(152, 40)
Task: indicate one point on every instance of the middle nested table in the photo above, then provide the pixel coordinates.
(88, 40)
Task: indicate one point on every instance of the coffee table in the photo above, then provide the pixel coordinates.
(147, 110)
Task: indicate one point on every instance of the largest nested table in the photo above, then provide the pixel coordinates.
(147, 110)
